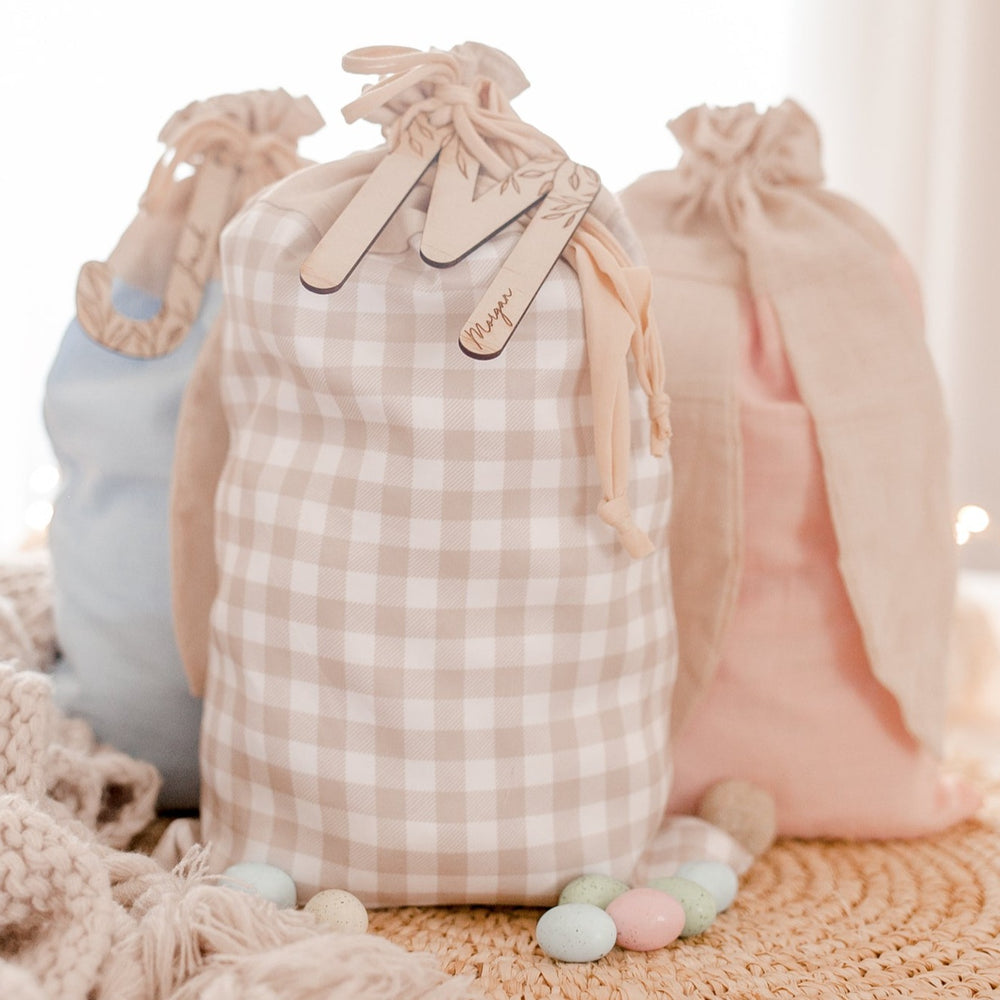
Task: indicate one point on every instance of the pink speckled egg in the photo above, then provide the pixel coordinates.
(646, 919)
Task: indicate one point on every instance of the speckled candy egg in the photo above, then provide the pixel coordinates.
(264, 880)
(576, 932)
(718, 878)
(697, 901)
(596, 889)
(646, 919)
(339, 910)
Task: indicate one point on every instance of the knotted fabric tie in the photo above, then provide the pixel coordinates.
(619, 321)
(438, 85)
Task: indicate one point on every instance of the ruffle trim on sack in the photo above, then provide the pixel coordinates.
(468, 90)
(731, 155)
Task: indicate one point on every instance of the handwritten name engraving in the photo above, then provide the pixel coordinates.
(479, 333)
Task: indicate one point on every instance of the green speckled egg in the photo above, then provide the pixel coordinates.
(598, 890)
(697, 901)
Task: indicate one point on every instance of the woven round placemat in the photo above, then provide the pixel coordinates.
(915, 919)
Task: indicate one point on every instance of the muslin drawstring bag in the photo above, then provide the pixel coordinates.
(813, 557)
(438, 663)
(111, 403)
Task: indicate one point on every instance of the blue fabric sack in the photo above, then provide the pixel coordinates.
(111, 404)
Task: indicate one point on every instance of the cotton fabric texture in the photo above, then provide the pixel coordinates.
(111, 403)
(434, 674)
(813, 558)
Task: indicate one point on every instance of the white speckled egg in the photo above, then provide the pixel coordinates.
(576, 932)
(264, 880)
(718, 878)
(339, 910)
(596, 889)
(697, 901)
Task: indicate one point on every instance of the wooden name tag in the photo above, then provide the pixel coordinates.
(559, 190)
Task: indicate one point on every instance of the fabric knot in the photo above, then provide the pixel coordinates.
(659, 418)
(468, 88)
(618, 320)
(458, 94)
(617, 513)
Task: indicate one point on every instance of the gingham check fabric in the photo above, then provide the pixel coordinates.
(435, 675)
(690, 838)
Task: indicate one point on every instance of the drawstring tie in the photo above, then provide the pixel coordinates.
(618, 317)
(449, 89)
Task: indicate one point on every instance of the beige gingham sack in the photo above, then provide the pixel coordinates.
(439, 660)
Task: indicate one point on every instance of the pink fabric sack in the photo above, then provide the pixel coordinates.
(813, 559)
(438, 663)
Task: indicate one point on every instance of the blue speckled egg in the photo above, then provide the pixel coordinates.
(596, 889)
(576, 932)
(264, 880)
(698, 902)
(718, 878)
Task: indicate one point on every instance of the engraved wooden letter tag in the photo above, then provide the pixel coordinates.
(559, 190)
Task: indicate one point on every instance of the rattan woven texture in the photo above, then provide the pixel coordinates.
(916, 919)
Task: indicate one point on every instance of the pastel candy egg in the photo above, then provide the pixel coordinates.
(718, 878)
(596, 889)
(697, 901)
(339, 910)
(575, 932)
(646, 919)
(264, 880)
